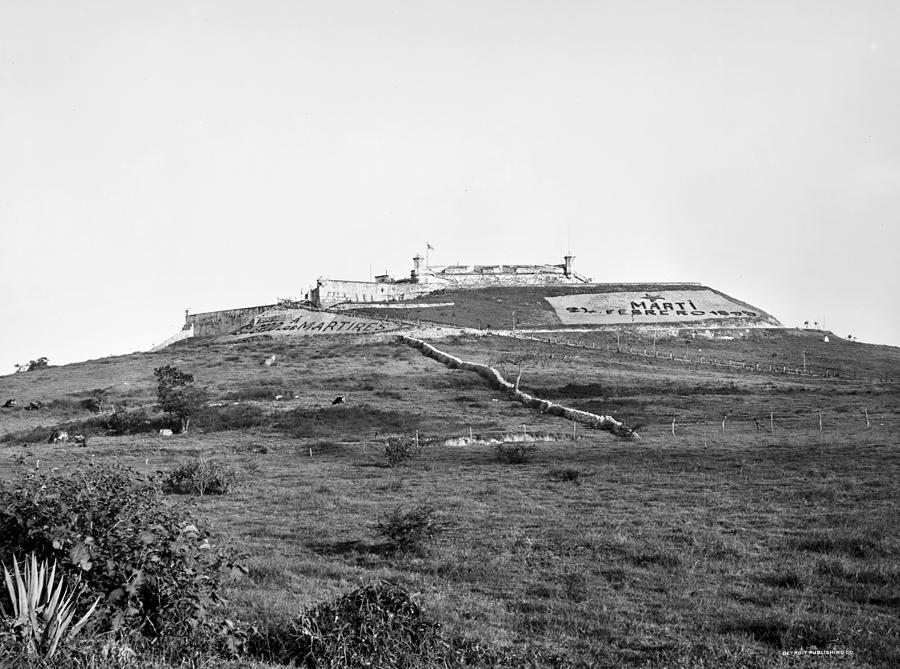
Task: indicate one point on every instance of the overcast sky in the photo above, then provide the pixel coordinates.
(157, 156)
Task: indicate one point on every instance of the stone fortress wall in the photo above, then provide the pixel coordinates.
(426, 279)
(608, 305)
(212, 323)
(329, 292)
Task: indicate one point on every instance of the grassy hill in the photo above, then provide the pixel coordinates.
(493, 307)
(718, 545)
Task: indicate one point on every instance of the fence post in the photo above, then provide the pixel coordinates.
(867, 418)
(772, 421)
(673, 426)
(723, 424)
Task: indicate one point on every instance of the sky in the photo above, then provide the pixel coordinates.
(162, 156)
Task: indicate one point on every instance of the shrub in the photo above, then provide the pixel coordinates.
(202, 477)
(400, 450)
(31, 365)
(92, 404)
(566, 474)
(514, 453)
(122, 422)
(377, 625)
(109, 526)
(408, 530)
(380, 625)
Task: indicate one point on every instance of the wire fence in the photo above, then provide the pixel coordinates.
(825, 425)
(710, 361)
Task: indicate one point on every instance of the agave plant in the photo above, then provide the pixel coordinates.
(42, 608)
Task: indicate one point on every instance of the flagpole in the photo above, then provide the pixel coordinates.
(426, 255)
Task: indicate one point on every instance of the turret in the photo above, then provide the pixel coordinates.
(417, 267)
(569, 258)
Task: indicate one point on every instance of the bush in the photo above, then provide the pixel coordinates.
(514, 453)
(408, 530)
(110, 527)
(201, 477)
(138, 421)
(380, 625)
(400, 450)
(377, 625)
(566, 474)
(31, 365)
(118, 423)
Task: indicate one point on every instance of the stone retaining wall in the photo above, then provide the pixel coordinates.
(496, 380)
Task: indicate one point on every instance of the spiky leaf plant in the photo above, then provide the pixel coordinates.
(42, 608)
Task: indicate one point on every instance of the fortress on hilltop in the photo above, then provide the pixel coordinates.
(534, 297)
(424, 279)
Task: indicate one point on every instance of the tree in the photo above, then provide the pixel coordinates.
(40, 363)
(519, 360)
(177, 394)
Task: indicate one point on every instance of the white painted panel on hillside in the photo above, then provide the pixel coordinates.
(654, 307)
(304, 322)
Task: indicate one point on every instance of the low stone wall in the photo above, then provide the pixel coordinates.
(215, 323)
(497, 381)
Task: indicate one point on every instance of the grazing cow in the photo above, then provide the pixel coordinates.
(58, 437)
(165, 432)
(268, 362)
(79, 440)
(338, 400)
(34, 406)
(10, 403)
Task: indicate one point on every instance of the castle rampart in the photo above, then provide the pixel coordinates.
(212, 323)
(427, 279)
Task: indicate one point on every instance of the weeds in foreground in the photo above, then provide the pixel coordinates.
(156, 571)
(42, 607)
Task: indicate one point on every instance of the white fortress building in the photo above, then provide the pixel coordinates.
(424, 279)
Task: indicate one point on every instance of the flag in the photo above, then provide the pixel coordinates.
(429, 246)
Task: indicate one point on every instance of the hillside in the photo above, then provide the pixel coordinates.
(722, 543)
(592, 305)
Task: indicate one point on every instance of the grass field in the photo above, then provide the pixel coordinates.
(705, 548)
